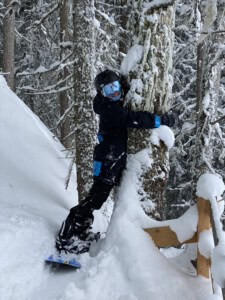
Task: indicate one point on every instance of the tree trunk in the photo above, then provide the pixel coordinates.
(208, 82)
(152, 29)
(209, 65)
(64, 37)
(9, 44)
(84, 50)
(124, 15)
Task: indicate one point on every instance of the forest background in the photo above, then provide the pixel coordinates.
(50, 52)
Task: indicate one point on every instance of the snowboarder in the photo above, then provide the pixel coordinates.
(75, 235)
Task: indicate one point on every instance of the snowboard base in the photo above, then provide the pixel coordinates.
(58, 259)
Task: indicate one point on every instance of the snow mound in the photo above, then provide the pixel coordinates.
(210, 186)
(163, 133)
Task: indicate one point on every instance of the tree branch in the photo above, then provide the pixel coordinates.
(218, 121)
(66, 88)
(54, 67)
(45, 16)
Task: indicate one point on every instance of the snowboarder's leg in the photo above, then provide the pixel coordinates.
(74, 235)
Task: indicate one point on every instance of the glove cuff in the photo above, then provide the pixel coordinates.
(157, 121)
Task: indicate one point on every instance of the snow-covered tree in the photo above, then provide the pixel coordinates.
(151, 25)
(42, 61)
(179, 190)
(84, 51)
(209, 64)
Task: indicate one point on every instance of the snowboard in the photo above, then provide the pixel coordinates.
(60, 260)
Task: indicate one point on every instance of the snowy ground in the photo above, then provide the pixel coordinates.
(33, 202)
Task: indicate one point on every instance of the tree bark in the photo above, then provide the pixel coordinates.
(152, 29)
(9, 44)
(84, 50)
(64, 37)
(208, 82)
(123, 42)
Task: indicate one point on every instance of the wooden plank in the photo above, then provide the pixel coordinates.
(164, 236)
(204, 223)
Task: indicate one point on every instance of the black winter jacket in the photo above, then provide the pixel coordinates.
(110, 153)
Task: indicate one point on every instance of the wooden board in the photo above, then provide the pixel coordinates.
(204, 223)
(164, 236)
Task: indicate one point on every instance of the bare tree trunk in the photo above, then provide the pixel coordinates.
(84, 50)
(9, 44)
(64, 37)
(152, 29)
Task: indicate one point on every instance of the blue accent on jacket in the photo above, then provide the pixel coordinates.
(97, 167)
(100, 137)
(157, 121)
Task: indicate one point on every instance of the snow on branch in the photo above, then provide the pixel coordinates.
(47, 89)
(62, 118)
(8, 7)
(110, 20)
(45, 16)
(186, 88)
(156, 4)
(65, 88)
(55, 66)
(22, 36)
(220, 134)
(219, 54)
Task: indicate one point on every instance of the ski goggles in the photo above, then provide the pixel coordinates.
(112, 90)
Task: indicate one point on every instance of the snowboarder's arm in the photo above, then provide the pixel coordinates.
(120, 117)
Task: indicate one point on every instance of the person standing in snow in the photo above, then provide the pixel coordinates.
(110, 154)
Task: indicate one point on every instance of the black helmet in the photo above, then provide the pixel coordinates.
(104, 78)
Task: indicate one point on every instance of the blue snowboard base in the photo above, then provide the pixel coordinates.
(58, 259)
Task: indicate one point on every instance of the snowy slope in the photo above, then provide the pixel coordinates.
(33, 199)
(124, 266)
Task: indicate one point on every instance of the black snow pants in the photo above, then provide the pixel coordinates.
(97, 195)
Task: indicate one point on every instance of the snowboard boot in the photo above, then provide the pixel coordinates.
(75, 235)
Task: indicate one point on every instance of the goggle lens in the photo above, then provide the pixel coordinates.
(112, 89)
